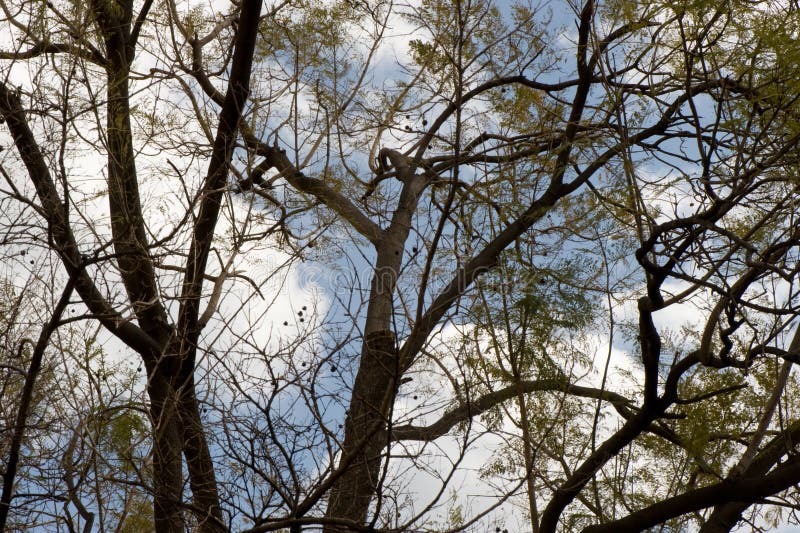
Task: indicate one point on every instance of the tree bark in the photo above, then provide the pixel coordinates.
(202, 478)
(136, 266)
(364, 439)
(375, 385)
(167, 465)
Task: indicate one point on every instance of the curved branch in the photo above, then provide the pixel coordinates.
(747, 489)
(276, 158)
(42, 48)
(492, 399)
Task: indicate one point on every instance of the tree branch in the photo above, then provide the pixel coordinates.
(42, 48)
(27, 396)
(60, 233)
(746, 489)
(484, 403)
(335, 201)
(189, 324)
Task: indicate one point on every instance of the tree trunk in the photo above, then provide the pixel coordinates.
(528, 453)
(375, 386)
(167, 465)
(364, 440)
(202, 478)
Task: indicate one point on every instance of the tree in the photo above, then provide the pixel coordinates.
(22, 365)
(73, 428)
(516, 182)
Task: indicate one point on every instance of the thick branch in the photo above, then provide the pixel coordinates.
(42, 48)
(492, 399)
(650, 342)
(59, 232)
(211, 194)
(751, 464)
(484, 261)
(340, 204)
(746, 489)
(127, 221)
(726, 515)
